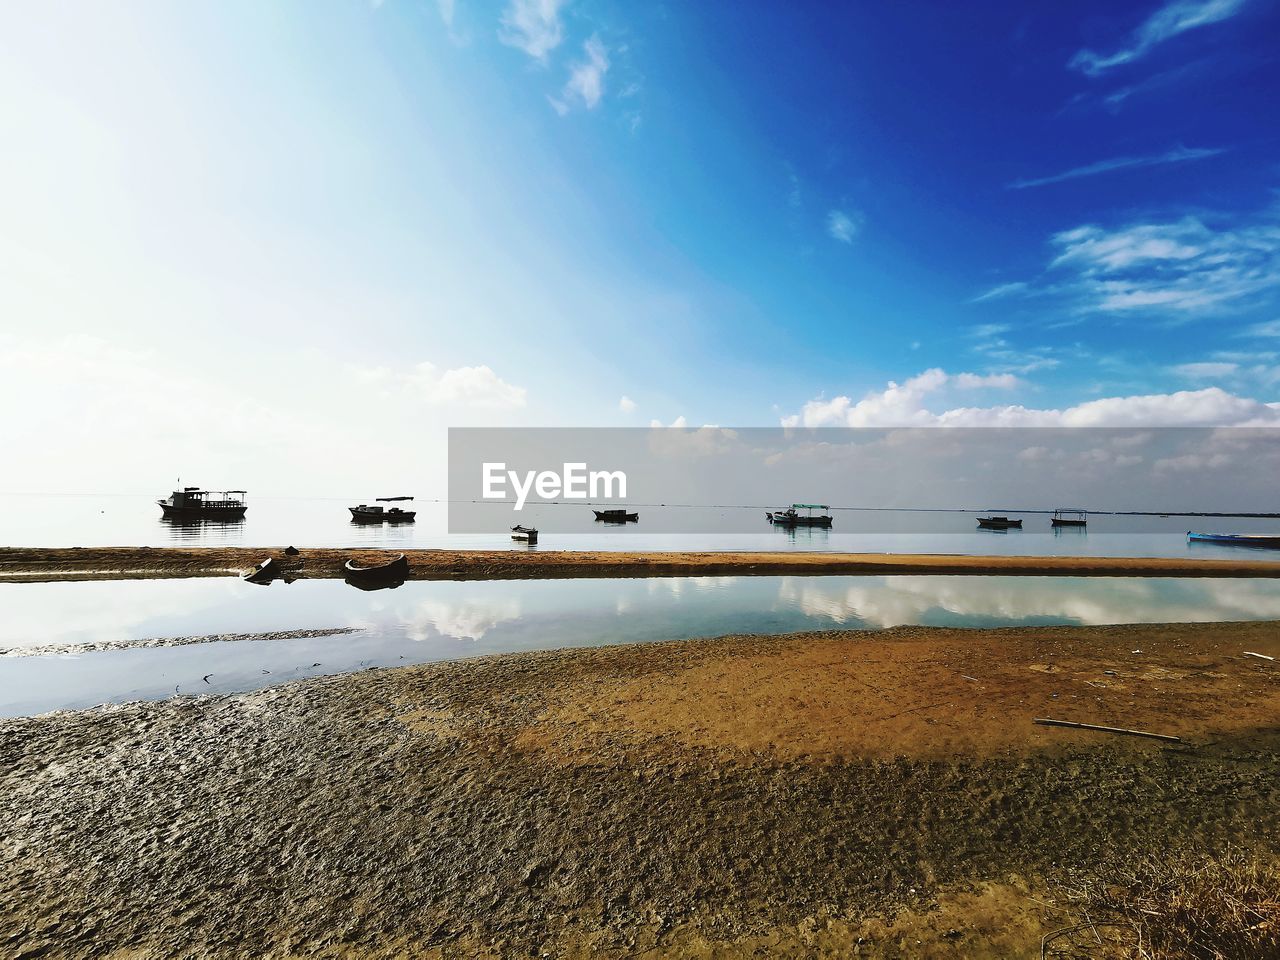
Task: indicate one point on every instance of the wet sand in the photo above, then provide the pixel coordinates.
(822, 794)
(115, 563)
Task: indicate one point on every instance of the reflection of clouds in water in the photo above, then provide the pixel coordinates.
(896, 601)
(676, 586)
(37, 614)
(465, 619)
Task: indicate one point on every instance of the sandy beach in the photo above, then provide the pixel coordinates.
(826, 794)
(116, 563)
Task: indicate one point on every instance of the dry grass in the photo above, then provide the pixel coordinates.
(1224, 907)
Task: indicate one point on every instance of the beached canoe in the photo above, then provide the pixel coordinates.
(264, 572)
(395, 570)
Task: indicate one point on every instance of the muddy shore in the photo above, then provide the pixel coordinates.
(825, 794)
(116, 563)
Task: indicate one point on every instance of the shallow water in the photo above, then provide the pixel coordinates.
(423, 621)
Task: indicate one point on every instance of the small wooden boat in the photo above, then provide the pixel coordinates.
(999, 523)
(792, 517)
(375, 513)
(616, 516)
(264, 572)
(1069, 517)
(1236, 539)
(377, 575)
(527, 534)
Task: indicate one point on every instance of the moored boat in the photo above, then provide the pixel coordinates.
(376, 513)
(1069, 517)
(792, 517)
(1236, 539)
(616, 516)
(192, 503)
(999, 523)
(527, 534)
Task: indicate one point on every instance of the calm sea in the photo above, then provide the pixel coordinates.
(60, 521)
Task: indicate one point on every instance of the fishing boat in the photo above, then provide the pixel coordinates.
(375, 576)
(192, 503)
(616, 516)
(792, 517)
(527, 534)
(375, 513)
(1069, 517)
(999, 523)
(1236, 539)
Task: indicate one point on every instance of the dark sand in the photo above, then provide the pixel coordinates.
(745, 796)
(115, 563)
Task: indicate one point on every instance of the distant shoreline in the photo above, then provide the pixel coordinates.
(35, 564)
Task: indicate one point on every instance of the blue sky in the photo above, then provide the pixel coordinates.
(420, 214)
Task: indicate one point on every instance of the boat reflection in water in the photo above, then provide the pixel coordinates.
(219, 531)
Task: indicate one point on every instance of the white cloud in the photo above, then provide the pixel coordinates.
(1176, 155)
(461, 386)
(1205, 370)
(627, 405)
(679, 423)
(1182, 268)
(532, 26)
(907, 404)
(1000, 291)
(843, 225)
(1270, 328)
(897, 405)
(586, 78)
(446, 8)
(1169, 21)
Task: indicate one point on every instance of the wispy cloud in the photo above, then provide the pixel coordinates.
(1176, 155)
(446, 8)
(843, 225)
(532, 26)
(586, 79)
(1170, 20)
(1183, 268)
(1000, 291)
(1205, 370)
(1270, 328)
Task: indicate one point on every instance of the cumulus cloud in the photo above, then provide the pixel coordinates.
(908, 404)
(679, 423)
(461, 386)
(843, 225)
(532, 26)
(899, 404)
(627, 405)
(1170, 20)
